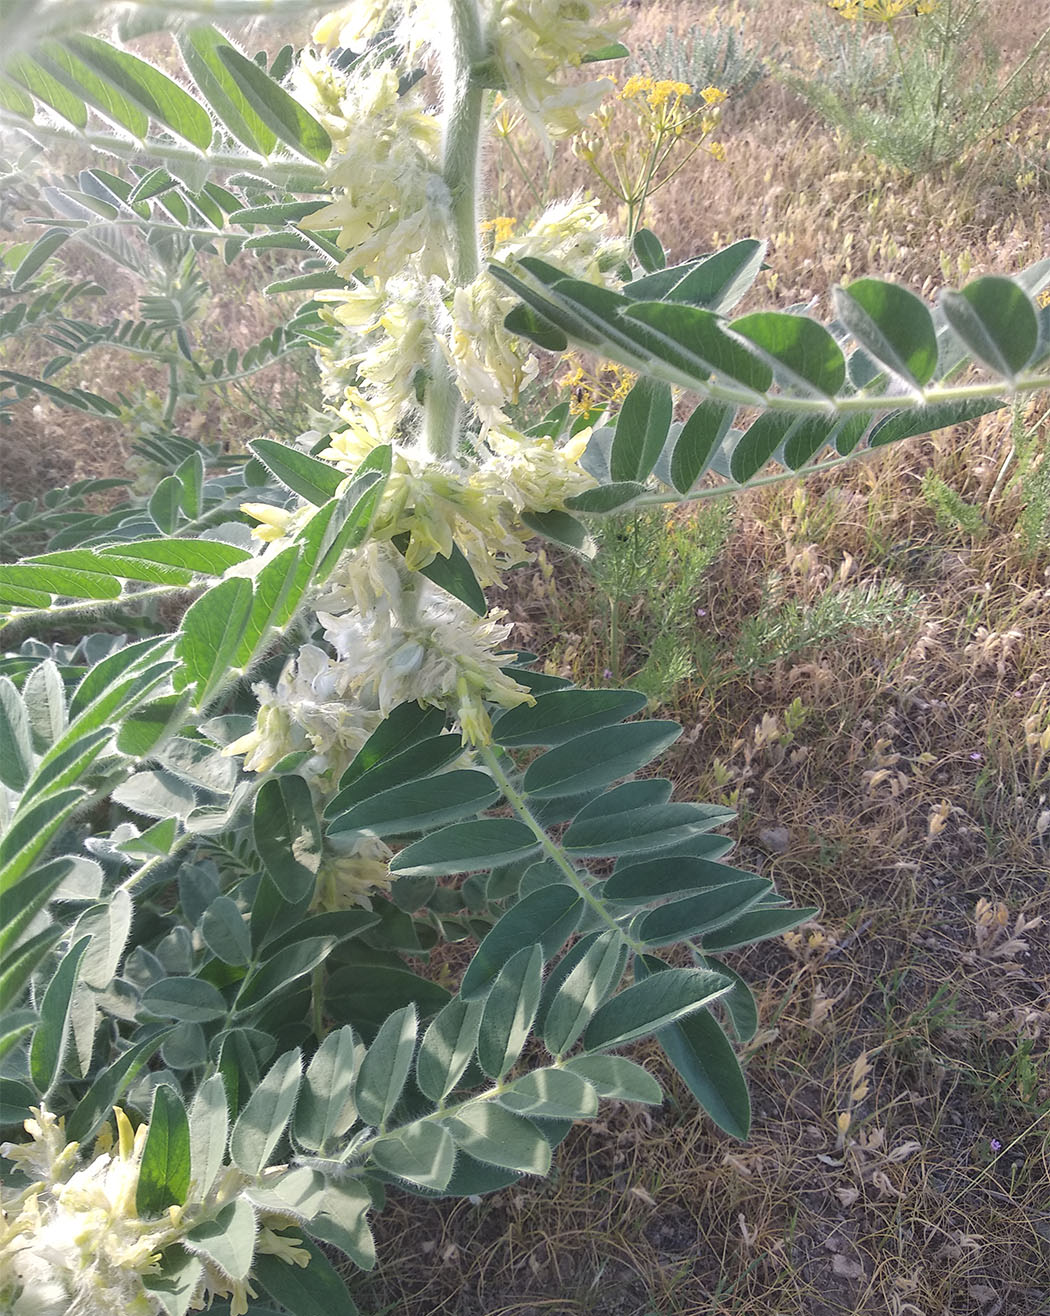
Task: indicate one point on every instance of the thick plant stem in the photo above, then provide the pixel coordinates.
(464, 49)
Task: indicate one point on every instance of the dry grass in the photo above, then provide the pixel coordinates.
(897, 777)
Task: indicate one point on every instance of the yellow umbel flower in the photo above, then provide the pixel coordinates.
(882, 11)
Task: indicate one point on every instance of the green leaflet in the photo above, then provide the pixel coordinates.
(551, 1094)
(756, 925)
(18, 967)
(419, 805)
(582, 992)
(51, 1035)
(617, 1078)
(405, 728)
(311, 478)
(422, 1153)
(164, 1171)
(641, 430)
(199, 47)
(189, 1000)
(893, 325)
(284, 116)
(386, 1066)
(262, 1121)
(802, 353)
(208, 1133)
(548, 916)
(228, 1240)
(509, 1011)
(652, 1004)
(702, 1054)
(649, 250)
(225, 933)
(463, 847)
(698, 442)
(16, 746)
(996, 320)
(698, 915)
(97, 1103)
(447, 1047)
(287, 835)
(498, 1137)
(598, 758)
(562, 715)
(325, 1109)
(411, 765)
(284, 967)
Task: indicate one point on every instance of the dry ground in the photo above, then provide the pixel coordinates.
(897, 775)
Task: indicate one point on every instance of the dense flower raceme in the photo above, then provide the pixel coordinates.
(393, 323)
(388, 635)
(73, 1243)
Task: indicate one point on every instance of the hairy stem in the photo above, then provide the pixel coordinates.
(464, 95)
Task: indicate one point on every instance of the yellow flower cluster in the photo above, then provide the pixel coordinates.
(656, 93)
(882, 11)
(605, 388)
(502, 228)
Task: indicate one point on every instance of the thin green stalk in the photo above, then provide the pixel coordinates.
(551, 849)
(173, 392)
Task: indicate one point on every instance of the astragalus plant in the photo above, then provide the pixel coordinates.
(230, 847)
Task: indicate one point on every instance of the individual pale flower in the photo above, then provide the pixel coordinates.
(351, 24)
(322, 88)
(533, 41)
(437, 652)
(491, 365)
(531, 473)
(308, 710)
(355, 867)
